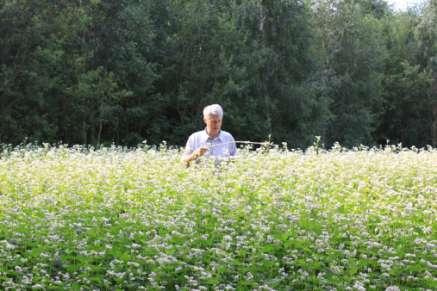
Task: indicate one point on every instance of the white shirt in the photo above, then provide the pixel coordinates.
(221, 146)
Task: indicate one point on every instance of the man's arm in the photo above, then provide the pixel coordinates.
(191, 153)
(188, 158)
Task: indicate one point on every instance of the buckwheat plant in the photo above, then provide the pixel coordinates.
(76, 218)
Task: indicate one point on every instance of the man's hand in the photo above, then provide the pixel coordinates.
(195, 155)
(199, 152)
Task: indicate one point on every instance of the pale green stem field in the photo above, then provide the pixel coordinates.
(115, 219)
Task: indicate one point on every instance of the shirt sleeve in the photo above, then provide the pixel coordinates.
(189, 147)
(232, 147)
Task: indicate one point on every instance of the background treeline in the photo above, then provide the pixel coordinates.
(123, 71)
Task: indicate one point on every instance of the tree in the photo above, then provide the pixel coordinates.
(408, 96)
(352, 62)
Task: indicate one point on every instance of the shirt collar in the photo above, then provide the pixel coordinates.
(205, 136)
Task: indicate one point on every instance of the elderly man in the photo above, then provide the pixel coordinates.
(212, 141)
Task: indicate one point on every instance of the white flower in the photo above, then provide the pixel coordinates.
(9, 246)
(249, 276)
(359, 286)
(18, 269)
(135, 246)
(392, 288)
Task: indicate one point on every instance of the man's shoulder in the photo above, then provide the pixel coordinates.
(197, 135)
(226, 134)
(199, 132)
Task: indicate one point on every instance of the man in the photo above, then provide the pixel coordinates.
(212, 141)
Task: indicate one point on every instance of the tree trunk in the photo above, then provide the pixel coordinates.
(84, 133)
(434, 103)
(99, 133)
(434, 125)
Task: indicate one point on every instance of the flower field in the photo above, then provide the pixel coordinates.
(116, 219)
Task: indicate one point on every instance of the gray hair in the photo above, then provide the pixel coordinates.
(213, 109)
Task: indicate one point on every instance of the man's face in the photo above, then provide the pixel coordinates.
(213, 124)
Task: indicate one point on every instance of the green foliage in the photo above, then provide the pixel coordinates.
(407, 114)
(353, 57)
(98, 72)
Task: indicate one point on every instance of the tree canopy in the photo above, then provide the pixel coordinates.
(105, 71)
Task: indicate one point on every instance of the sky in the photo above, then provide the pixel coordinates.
(402, 5)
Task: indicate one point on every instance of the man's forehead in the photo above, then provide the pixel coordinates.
(213, 116)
